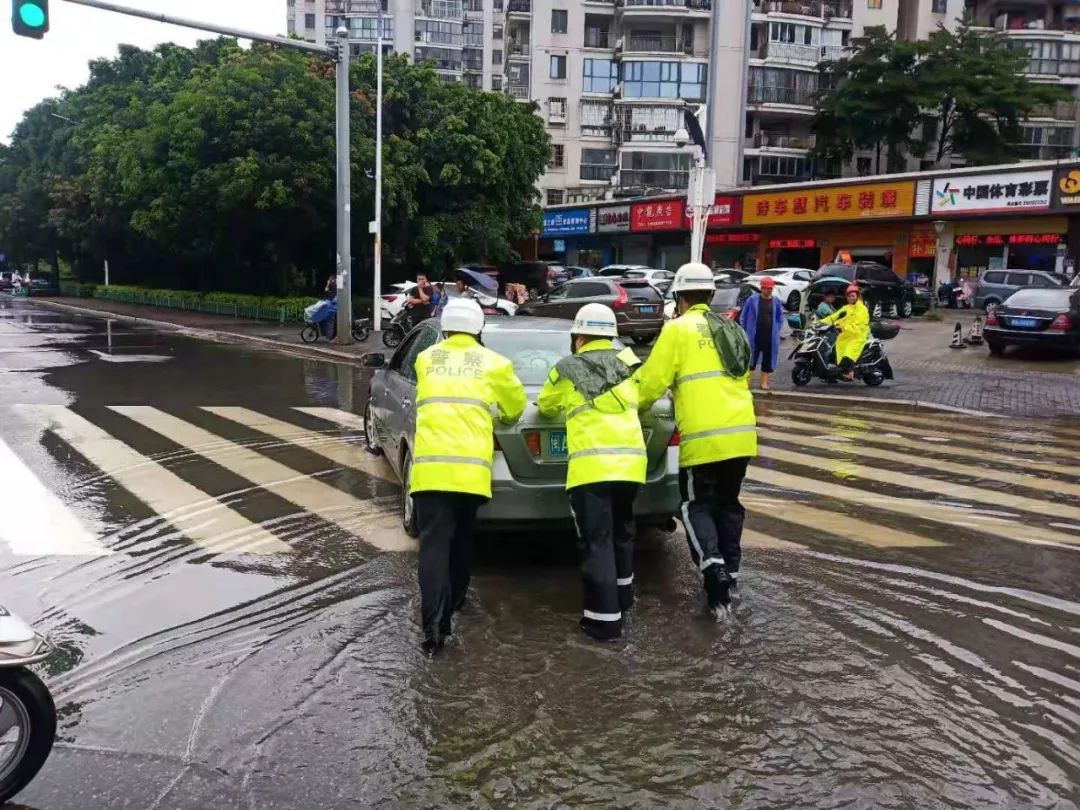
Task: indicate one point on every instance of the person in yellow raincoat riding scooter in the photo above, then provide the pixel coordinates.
(853, 321)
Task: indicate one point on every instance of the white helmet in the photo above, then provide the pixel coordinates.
(693, 276)
(595, 320)
(462, 315)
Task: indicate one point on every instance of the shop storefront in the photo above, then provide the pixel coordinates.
(664, 221)
(811, 226)
(1025, 244)
(561, 230)
(732, 250)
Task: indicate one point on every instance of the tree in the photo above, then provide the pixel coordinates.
(868, 100)
(975, 86)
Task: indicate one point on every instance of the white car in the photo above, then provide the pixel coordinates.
(790, 281)
(619, 270)
(650, 275)
(393, 301)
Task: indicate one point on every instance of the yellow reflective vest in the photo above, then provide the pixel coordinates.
(460, 386)
(854, 323)
(603, 431)
(714, 411)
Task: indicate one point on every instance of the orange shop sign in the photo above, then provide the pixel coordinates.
(923, 245)
(866, 201)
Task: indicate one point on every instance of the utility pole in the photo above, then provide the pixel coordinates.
(376, 302)
(338, 51)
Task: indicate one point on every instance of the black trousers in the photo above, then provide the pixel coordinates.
(604, 517)
(446, 521)
(713, 519)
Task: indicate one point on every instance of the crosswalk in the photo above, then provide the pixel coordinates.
(230, 480)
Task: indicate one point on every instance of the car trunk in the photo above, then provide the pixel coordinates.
(643, 302)
(535, 448)
(1026, 319)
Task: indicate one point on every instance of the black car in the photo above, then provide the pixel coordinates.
(1048, 317)
(881, 288)
(638, 306)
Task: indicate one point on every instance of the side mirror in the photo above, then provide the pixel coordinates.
(373, 360)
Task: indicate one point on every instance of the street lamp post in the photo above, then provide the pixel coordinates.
(377, 224)
(344, 193)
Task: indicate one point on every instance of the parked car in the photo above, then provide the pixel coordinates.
(881, 288)
(994, 286)
(619, 270)
(532, 275)
(394, 301)
(790, 281)
(394, 298)
(529, 471)
(731, 276)
(557, 274)
(638, 306)
(1035, 317)
(725, 302)
(650, 275)
(576, 271)
(43, 285)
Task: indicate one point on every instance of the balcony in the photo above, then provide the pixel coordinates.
(517, 50)
(793, 96)
(654, 178)
(596, 119)
(647, 123)
(518, 91)
(1044, 151)
(473, 65)
(474, 10)
(1061, 111)
(772, 140)
(653, 43)
(1025, 16)
(440, 9)
(820, 9)
(678, 6)
(355, 7)
(523, 7)
(597, 39)
(439, 39)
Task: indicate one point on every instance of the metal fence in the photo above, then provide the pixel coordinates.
(250, 311)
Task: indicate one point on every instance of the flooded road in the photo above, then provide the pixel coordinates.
(200, 530)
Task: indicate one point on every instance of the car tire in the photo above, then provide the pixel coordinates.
(793, 301)
(990, 305)
(408, 513)
(644, 340)
(907, 309)
(371, 441)
(801, 374)
(996, 347)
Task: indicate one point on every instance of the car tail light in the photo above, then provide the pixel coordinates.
(991, 318)
(675, 440)
(623, 298)
(1061, 323)
(532, 441)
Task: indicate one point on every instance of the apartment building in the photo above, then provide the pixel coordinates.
(461, 37)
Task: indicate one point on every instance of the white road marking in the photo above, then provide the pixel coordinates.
(200, 517)
(33, 521)
(335, 415)
(310, 494)
(130, 358)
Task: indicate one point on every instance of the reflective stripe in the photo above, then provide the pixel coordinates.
(602, 617)
(690, 484)
(712, 561)
(451, 460)
(689, 437)
(625, 580)
(452, 401)
(577, 410)
(610, 451)
(701, 375)
(577, 526)
(690, 533)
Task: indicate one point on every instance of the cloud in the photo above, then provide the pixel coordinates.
(34, 69)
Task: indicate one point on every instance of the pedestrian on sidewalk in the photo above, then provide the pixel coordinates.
(704, 361)
(460, 385)
(593, 390)
(762, 318)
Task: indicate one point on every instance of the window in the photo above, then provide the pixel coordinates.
(438, 33)
(664, 80)
(940, 7)
(994, 278)
(556, 109)
(597, 32)
(655, 169)
(589, 289)
(557, 67)
(309, 21)
(873, 3)
(473, 34)
(1019, 279)
(556, 161)
(559, 293)
(794, 34)
(496, 32)
(558, 21)
(404, 359)
(597, 164)
(601, 75)
(555, 196)
(596, 118)
(496, 83)
(863, 166)
(496, 57)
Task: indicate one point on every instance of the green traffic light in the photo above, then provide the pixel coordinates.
(32, 15)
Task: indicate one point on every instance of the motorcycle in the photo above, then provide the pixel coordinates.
(27, 711)
(814, 354)
(320, 320)
(400, 325)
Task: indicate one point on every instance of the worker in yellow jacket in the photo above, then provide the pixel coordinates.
(853, 321)
(714, 413)
(460, 387)
(592, 389)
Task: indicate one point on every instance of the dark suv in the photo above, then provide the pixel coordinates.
(881, 288)
(638, 306)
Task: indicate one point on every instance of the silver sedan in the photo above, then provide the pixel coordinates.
(529, 472)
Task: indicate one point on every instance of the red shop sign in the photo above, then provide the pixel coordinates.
(744, 238)
(794, 244)
(726, 212)
(1000, 240)
(666, 215)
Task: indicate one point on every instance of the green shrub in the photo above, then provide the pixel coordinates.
(77, 289)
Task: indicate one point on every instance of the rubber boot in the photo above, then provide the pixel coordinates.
(765, 381)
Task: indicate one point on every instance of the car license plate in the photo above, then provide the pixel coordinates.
(557, 444)
(1025, 323)
(647, 310)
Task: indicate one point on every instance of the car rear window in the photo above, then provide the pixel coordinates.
(635, 274)
(726, 297)
(642, 292)
(844, 271)
(533, 352)
(1056, 298)
(994, 278)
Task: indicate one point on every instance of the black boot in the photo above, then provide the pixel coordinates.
(717, 587)
(433, 641)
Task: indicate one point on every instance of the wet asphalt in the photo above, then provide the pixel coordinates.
(236, 607)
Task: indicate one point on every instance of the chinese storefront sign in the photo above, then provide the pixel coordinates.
(867, 201)
(725, 212)
(744, 238)
(792, 244)
(666, 215)
(923, 245)
(989, 193)
(999, 240)
(1067, 187)
(566, 223)
(615, 219)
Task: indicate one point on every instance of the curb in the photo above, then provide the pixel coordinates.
(215, 336)
(911, 403)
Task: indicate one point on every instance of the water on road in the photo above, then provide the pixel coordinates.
(221, 563)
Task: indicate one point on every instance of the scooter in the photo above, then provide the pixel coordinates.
(27, 711)
(320, 320)
(399, 326)
(814, 355)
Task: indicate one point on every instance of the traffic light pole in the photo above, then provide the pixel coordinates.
(338, 52)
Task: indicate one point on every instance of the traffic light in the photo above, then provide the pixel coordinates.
(30, 18)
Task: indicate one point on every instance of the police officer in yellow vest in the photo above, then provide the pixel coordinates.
(593, 390)
(460, 387)
(714, 413)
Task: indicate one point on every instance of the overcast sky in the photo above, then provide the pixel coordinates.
(30, 70)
